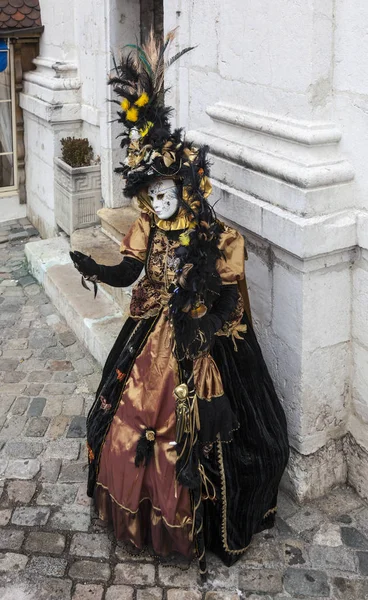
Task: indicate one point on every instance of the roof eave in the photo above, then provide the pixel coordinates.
(22, 33)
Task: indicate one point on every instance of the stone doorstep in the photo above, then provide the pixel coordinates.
(115, 222)
(96, 322)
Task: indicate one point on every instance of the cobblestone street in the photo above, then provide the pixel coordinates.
(51, 548)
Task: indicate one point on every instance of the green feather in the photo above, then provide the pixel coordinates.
(142, 57)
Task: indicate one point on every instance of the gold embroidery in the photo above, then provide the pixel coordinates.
(207, 484)
(234, 332)
(224, 502)
(150, 294)
(187, 520)
(269, 512)
(233, 327)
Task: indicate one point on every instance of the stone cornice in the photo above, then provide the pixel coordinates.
(54, 75)
(299, 131)
(306, 176)
(54, 113)
(52, 91)
(295, 165)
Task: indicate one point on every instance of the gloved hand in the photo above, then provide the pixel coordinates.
(85, 264)
(199, 336)
(121, 275)
(195, 336)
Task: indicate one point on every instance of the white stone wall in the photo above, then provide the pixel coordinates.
(68, 95)
(272, 56)
(278, 92)
(351, 112)
(350, 106)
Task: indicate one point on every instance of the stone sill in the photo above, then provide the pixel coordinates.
(76, 170)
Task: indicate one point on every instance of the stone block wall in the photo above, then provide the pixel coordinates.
(277, 93)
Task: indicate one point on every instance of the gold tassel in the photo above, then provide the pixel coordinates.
(206, 482)
(196, 412)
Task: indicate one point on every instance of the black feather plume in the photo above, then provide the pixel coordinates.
(144, 451)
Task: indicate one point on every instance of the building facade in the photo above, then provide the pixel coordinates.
(278, 92)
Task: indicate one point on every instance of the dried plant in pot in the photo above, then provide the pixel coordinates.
(77, 185)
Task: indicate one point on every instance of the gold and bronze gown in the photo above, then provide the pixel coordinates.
(145, 503)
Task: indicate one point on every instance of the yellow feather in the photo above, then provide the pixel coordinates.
(184, 238)
(143, 132)
(125, 104)
(142, 100)
(132, 114)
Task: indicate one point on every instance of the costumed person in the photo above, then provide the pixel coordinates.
(187, 440)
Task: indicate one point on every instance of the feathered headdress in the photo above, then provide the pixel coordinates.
(153, 149)
(139, 81)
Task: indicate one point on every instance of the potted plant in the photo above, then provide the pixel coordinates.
(77, 185)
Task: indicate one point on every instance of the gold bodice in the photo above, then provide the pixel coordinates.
(161, 261)
(151, 292)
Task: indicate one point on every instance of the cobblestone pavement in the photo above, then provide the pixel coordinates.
(51, 548)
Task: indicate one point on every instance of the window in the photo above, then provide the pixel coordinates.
(8, 163)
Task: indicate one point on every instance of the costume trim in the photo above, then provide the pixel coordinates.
(224, 503)
(182, 221)
(134, 512)
(270, 512)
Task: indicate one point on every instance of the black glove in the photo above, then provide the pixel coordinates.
(85, 264)
(226, 302)
(120, 275)
(195, 336)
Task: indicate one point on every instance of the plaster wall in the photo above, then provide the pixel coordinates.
(57, 40)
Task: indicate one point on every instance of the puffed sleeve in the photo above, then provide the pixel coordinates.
(135, 242)
(231, 267)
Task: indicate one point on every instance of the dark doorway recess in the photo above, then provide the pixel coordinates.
(152, 15)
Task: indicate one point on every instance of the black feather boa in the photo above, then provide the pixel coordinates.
(198, 282)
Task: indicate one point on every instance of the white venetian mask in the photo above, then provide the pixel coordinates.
(163, 198)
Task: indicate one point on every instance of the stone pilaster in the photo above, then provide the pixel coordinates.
(51, 108)
(285, 184)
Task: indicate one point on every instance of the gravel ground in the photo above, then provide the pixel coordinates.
(52, 548)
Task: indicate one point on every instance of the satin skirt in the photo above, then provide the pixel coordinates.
(145, 504)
